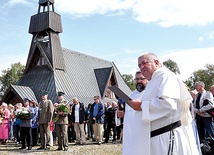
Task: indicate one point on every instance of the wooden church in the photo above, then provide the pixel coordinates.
(52, 68)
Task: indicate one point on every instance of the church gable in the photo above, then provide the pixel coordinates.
(105, 77)
(38, 57)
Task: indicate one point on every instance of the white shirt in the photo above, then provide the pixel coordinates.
(76, 113)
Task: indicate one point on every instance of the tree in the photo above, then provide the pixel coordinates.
(171, 65)
(10, 76)
(128, 78)
(205, 75)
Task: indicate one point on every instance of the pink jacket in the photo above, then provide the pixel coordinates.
(6, 116)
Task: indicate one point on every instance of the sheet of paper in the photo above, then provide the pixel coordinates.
(120, 94)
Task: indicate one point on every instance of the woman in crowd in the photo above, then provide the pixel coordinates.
(11, 120)
(34, 127)
(16, 124)
(4, 127)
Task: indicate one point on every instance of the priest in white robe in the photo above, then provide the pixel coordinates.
(166, 118)
(133, 125)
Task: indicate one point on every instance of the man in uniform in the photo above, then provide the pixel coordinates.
(45, 114)
(62, 124)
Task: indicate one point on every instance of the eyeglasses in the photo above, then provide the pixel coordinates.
(136, 79)
(143, 63)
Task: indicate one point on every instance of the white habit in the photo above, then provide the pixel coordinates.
(132, 129)
(165, 101)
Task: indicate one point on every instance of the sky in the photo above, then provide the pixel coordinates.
(118, 31)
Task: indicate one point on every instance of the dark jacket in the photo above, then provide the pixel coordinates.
(81, 113)
(100, 114)
(87, 114)
(110, 115)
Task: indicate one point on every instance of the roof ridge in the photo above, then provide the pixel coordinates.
(81, 53)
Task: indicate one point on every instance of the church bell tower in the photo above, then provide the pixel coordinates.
(45, 49)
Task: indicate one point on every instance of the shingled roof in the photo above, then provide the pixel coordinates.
(84, 77)
(18, 93)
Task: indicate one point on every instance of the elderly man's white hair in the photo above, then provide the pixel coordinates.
(113, 102)
(75, 98)
(150, 55)
(200, 83)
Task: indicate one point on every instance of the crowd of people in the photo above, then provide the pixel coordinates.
(163, 116)
(44, 124)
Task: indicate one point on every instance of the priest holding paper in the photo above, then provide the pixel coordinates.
(166, 119)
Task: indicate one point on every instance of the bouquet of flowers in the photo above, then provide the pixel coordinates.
(60, 108)
(24, 113)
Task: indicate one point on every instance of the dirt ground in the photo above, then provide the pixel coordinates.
(89, 148)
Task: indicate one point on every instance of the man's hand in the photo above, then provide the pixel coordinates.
(136, 104)
(60, 112)
(200, 113)
(94, 118)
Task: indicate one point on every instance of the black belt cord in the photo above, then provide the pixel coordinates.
(171, 142)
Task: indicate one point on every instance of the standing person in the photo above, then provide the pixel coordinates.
(89, 122)
(78, 119)
(204, 120)
(11, 121)
(110, 118)
(4, 124)
(34, 127)
(45, 114)
(166, 118)
(62, 124)
(16, 124)
(133, 120)
(193, 93)
(26, 124)
(119, 118)
(71, 132)
(97, 116)
(107, 105)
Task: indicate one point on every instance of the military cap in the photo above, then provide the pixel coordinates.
(44, 92)
(60, 93)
